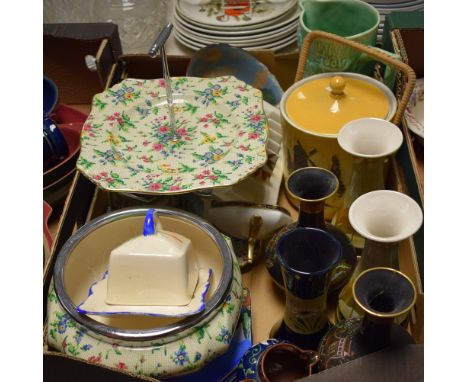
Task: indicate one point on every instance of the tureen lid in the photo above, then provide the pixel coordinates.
(324, 103)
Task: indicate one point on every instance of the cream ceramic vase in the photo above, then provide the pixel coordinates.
(384, 218)
(370, 142)
(314, 110)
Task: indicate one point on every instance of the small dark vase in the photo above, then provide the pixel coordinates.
(307, 257)
(312, 186)
(383, 294)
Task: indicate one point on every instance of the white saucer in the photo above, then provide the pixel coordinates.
(212, 15)
(240, 40)
(95, 304)
(290, 18)
(414, 112)
(275, 46)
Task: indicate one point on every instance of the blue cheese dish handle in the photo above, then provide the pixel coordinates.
(148, 226)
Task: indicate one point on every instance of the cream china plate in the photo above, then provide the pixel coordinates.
(275, 46)
(289, 19)
(261, 38)
(414, 112)
(95, 303)
(271, 43)
(240, 14)
(126, 143)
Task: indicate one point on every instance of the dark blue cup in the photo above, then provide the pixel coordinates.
(55, 147)
(49, 95)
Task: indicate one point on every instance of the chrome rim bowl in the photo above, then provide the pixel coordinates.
(84, 257)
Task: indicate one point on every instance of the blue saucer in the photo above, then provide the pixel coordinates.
(222, 59)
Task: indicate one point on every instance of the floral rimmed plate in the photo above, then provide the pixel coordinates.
(414, 112)
(126, 143)
(234, 13)
(95, 302)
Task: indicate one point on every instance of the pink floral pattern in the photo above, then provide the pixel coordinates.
(219, 139)
(217, 120)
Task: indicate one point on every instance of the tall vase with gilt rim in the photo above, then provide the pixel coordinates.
(383, 294)
(312, 187)
(307, 257)
(384, 218)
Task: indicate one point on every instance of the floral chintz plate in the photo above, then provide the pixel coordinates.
(221, 129)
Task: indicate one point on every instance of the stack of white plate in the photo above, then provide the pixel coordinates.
(387, 6)
(245, 24)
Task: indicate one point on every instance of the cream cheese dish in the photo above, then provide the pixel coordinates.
(157, 269)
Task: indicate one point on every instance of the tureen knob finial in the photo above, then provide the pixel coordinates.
(337, 84)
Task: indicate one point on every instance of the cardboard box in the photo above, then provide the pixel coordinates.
(65, 49)
(85, 201)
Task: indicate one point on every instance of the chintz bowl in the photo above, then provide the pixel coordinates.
(168, 345)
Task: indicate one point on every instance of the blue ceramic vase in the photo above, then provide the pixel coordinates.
(312, 186)
(307, 257)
